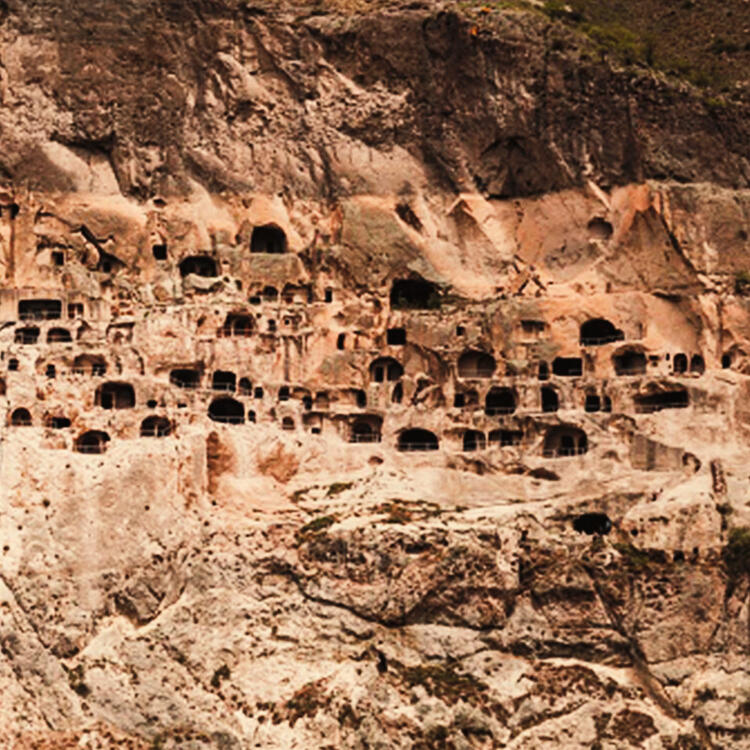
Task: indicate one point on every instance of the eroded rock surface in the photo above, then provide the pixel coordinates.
(371, 380)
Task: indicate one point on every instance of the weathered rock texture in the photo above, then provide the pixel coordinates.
(370, 381)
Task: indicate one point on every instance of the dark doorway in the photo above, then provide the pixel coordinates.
(599, 331)
(500, 401)
(200, 265)
(417, 440)
(592, 523)
(115, 396)
(156, 427)
(93, 441)
(414, 294)
(568, 366)
(550, 400)
(268, 238)
(226, 410)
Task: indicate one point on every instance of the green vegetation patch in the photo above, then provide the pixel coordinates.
(314, 527)
(338, 487)
(700, 40)
(736, 554)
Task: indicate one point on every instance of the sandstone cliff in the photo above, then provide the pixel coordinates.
(370, 380)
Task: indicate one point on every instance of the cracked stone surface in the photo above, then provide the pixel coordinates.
(462, 467)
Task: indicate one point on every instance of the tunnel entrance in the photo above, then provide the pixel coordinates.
(268, 238)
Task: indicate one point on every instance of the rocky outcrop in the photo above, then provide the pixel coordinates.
(370, 380)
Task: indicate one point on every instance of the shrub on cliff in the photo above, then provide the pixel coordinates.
(737, 552)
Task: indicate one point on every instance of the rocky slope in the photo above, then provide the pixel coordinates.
(371, 380)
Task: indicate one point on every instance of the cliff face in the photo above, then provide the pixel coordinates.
(370, 380)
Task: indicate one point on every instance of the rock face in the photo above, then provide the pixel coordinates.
(371, 381)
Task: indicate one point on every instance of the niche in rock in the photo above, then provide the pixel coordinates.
(237, 324)
(396, 336)
(652, 402)
(550, 400)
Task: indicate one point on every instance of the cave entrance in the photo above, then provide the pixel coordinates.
(115, 396)
(268, 238)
